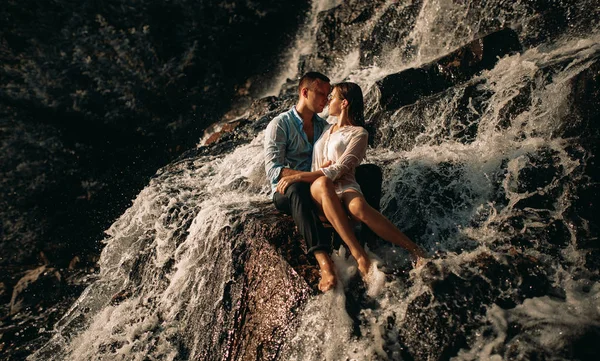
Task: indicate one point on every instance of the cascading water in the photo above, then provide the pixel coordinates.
(486, 175)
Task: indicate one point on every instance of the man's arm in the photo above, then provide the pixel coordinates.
(286, 172)
(275, 148)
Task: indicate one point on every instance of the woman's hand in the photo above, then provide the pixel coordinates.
(285, 182)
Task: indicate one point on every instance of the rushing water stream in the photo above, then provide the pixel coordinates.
(493, 177)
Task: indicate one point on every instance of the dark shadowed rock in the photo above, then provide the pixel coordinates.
(96, 96)
(408, 86)
(585, 127)
(438, 322)
(246, 126)
(390, 32)
(31, 327)
(36, 288)
(403, 128)
(339, 32)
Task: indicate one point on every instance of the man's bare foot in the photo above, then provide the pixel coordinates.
(328, 280)
(364, 263)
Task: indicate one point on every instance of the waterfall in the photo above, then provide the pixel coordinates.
(487, 176)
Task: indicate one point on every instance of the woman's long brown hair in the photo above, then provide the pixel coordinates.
(356, 105)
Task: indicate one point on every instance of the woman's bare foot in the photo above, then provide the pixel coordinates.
(420, 261)
(328, 280)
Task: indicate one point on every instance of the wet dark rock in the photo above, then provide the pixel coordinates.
(31, 327)
(408, 86)
(515, 106)
(336, 35)
(96, 96)
(542, 169)
(245, 127)
(269, 285)
(333, 35)
(585, 105)
(404, 128)
(551, 19)
(390, 32)
(547, 237)
(215, 131)
(585, 127)
(439, 194)
(38, 286)
(577, 343)
(439, 322)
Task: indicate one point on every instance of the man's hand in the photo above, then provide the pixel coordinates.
(285, 182)
(326, 164)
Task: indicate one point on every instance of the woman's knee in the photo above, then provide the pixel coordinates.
(359, 208)
(322, 183)
(320, 187)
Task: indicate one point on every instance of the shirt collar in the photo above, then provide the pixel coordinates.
(297, 116)
(299, 119)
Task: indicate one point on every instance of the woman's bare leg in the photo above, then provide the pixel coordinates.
(361, 210)
(323, 193)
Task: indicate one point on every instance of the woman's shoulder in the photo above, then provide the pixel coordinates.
(358, 130)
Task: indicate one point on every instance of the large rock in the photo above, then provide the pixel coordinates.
(438, 322)
(408, 86)
(413, 124)
(271, 289)
(338, 33)
(40, 299)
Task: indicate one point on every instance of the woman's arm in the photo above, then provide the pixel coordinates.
(351, 157)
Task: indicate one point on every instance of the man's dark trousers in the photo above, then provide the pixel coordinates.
(298, 203)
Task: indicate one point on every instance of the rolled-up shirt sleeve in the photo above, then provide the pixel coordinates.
(275, 146)
(351, 157)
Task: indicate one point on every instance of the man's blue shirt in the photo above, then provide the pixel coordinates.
(287, 146)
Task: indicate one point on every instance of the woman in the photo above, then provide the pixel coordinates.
(334, 189)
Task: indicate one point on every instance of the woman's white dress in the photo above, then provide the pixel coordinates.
(346, 148)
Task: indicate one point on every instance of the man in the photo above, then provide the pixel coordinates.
(289, 140)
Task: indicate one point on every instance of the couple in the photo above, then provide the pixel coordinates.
(311, 166)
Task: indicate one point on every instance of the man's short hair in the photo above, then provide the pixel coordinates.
(309, 78)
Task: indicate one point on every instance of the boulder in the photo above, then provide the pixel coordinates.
(406, 87)
(339, 31)
(584, 126)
